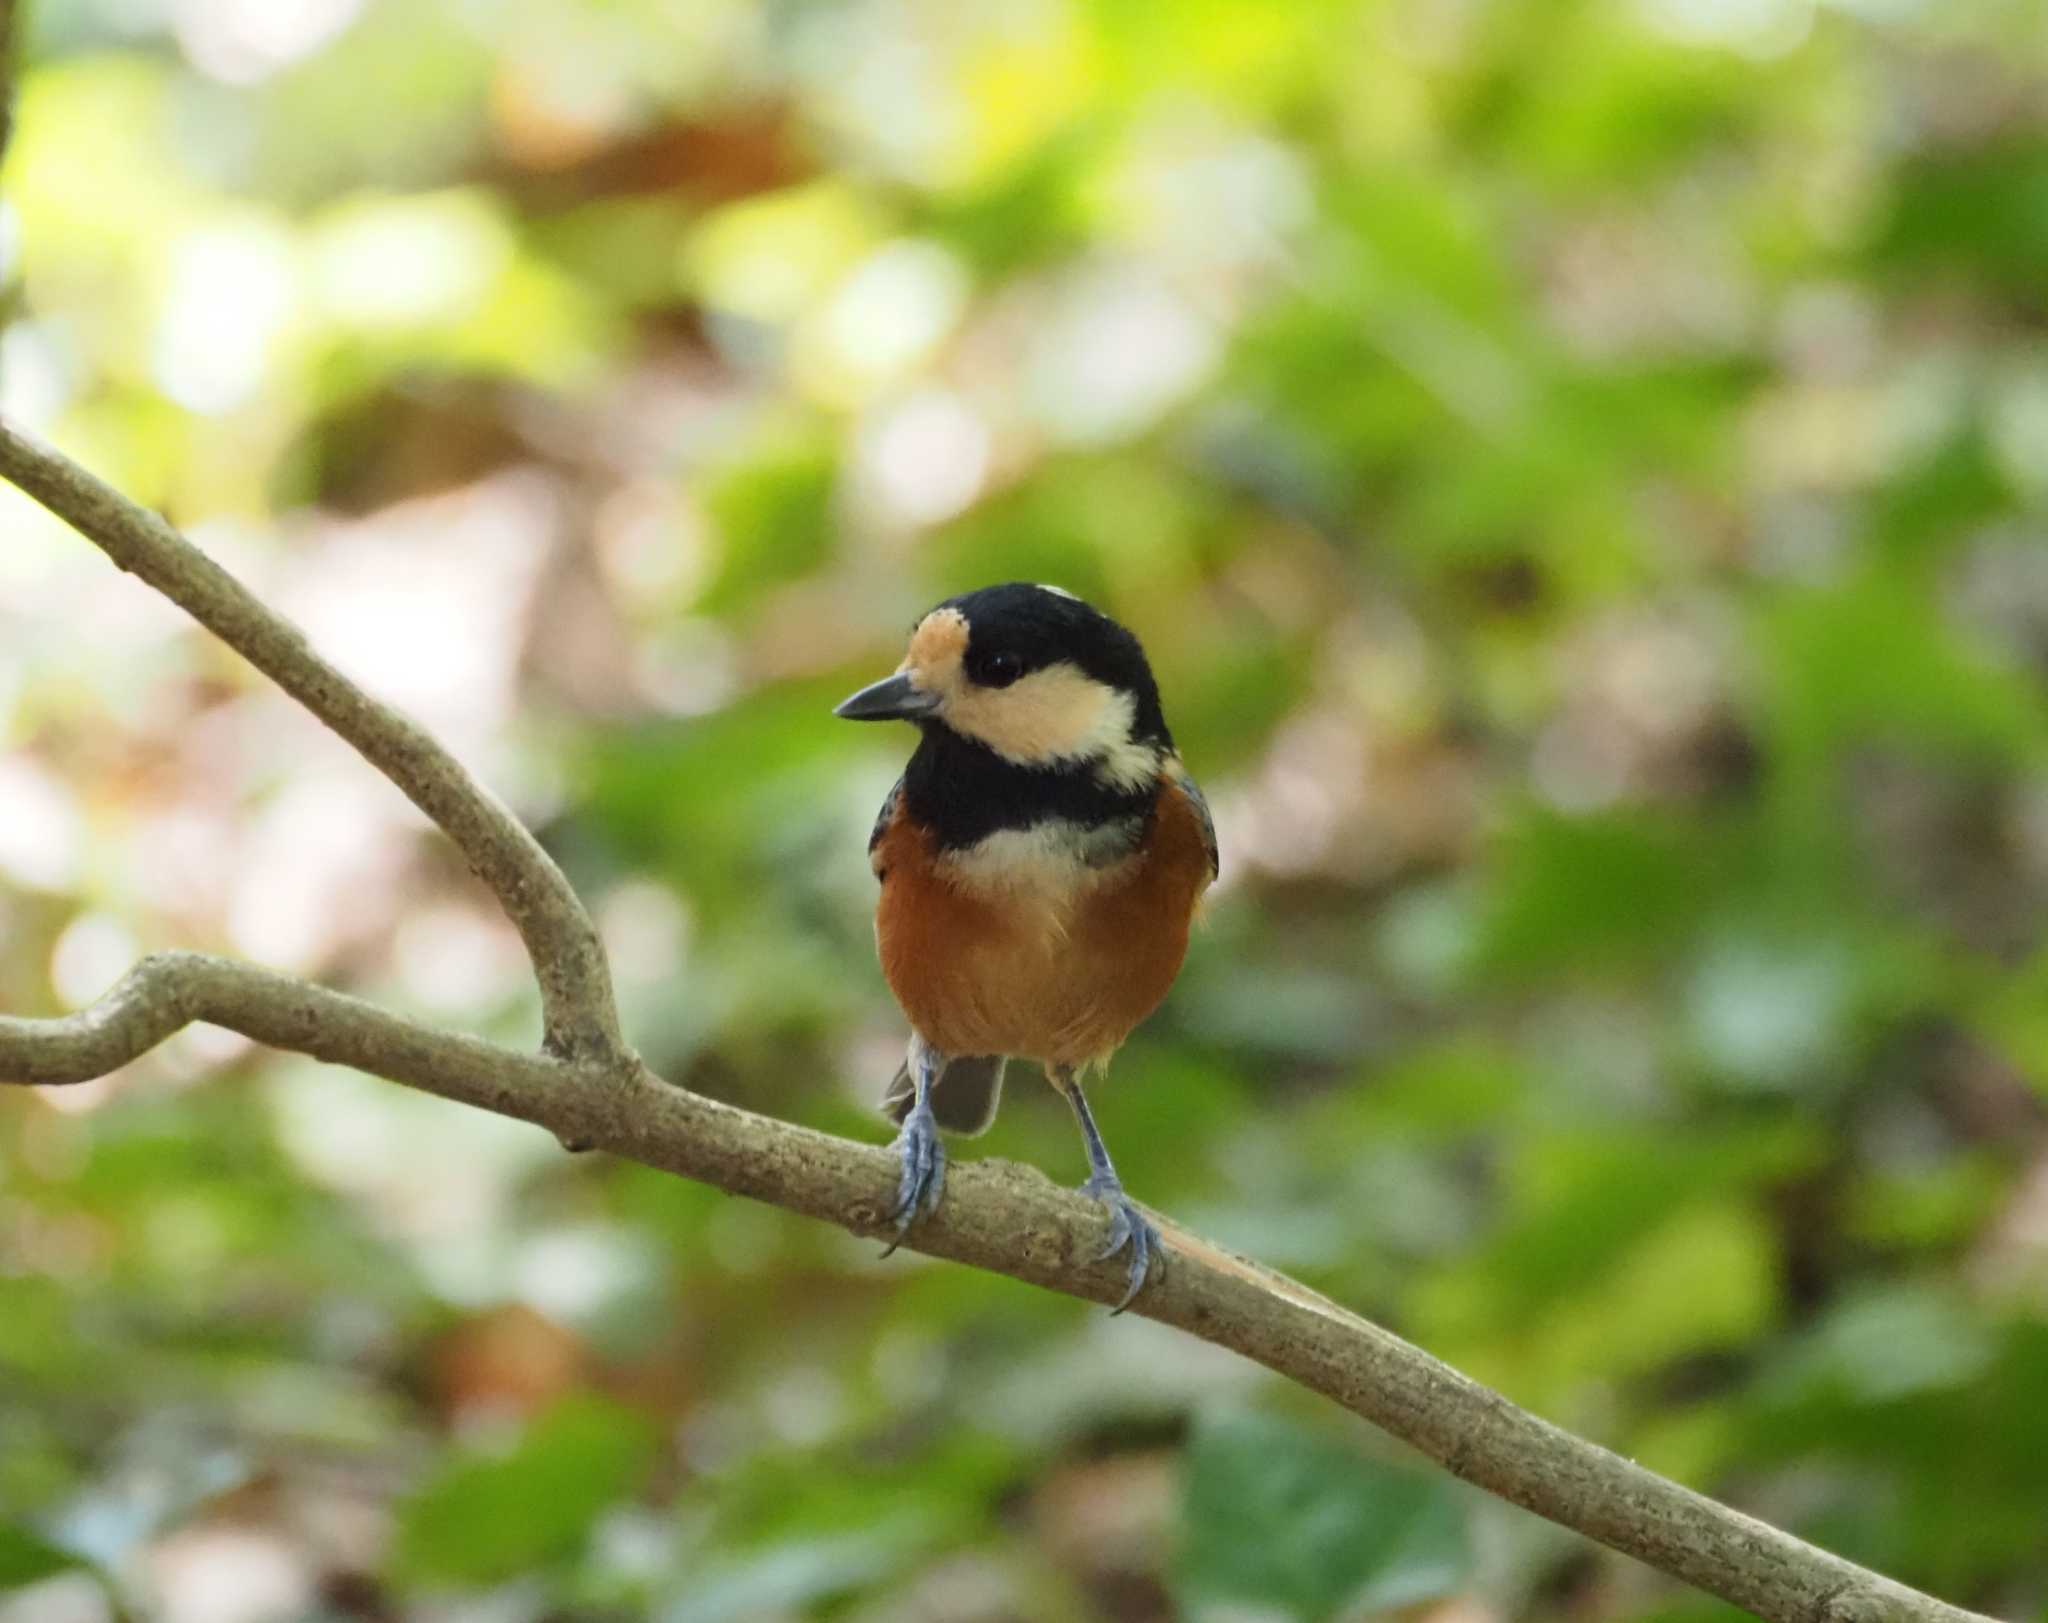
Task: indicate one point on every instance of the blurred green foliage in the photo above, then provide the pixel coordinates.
(1578, 469)
(1282, 1520)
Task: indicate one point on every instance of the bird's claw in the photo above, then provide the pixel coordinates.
(1129, 1228)
(923, 1178)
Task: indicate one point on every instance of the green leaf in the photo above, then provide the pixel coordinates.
(490, 1518)
(1980, 212)
(774, 515)
(1877, 1346)
(1615, 891)
(1031, 212)
(1871, 660)
(26, 1557)
(1945, 497)
(1579, 1204)
(1282, 1519)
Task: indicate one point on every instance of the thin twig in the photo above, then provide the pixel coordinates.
(568, 959)
(998, 1216)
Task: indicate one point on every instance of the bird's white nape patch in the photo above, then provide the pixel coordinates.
(1058, 591)
(1128, 764)
(1121, 762)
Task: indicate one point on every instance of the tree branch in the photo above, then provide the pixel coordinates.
(1005, 1218)
(577, 1008)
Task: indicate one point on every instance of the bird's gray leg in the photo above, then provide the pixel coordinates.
(923, 1157)
(1128, 1226)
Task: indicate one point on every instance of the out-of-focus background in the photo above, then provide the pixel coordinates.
(1580, 470)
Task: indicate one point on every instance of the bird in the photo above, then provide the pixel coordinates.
(1041, 862)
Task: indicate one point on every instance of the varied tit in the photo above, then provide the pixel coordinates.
(1040, 860)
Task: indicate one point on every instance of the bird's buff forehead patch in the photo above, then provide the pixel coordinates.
(936, 648)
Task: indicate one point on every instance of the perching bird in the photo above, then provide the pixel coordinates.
(1040, 861)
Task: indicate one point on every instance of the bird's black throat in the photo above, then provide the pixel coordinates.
(963, 791)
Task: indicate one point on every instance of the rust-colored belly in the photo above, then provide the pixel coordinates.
(1059, 973)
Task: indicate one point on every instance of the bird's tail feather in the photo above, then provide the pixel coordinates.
(964, 1098)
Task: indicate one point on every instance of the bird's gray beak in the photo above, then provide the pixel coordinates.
(891, 699)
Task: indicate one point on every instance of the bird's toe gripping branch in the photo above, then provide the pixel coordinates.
(923, 1177)
(1129, 1230)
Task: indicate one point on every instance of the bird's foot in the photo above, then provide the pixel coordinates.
(1129, 1229)
(923, 1178)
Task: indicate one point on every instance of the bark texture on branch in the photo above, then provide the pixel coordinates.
(996, 1215)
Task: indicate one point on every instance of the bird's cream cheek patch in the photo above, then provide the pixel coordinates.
(1056, 714)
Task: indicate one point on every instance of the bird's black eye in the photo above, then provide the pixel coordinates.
(998, 669)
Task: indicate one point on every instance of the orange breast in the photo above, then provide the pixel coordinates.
(1059, 973)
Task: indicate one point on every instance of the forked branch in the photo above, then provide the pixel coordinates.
(562, 941)
(1005, 1218)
